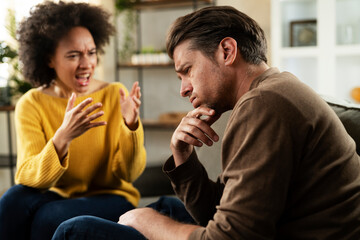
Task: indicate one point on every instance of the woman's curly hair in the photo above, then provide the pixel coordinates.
(48, 22)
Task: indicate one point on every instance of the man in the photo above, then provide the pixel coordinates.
(290, 170)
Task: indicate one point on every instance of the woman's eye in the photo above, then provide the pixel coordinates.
(72, 56)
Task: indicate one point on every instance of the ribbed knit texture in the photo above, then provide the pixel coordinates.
(104, 159)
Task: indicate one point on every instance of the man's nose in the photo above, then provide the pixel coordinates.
(186, 88)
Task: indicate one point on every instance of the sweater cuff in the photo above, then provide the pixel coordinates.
(197, 234)
(184, 172)
(128, 130)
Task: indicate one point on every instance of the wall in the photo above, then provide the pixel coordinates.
(259, 10)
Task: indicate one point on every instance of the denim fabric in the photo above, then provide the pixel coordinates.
(28, 213)
(93, 228)
(172, 207)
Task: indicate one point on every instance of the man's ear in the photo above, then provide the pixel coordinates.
(229, 50)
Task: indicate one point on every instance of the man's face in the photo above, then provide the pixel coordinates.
(201, 78)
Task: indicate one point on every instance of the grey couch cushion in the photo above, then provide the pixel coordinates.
(153, 182)
(349, 115)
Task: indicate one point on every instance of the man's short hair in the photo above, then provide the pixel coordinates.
(206, 27)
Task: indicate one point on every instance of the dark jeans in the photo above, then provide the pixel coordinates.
(94, 228)
(28, 213)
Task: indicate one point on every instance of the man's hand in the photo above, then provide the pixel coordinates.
(154, 225)
(130, 106)
(193, 130)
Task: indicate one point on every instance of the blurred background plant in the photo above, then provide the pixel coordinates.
(129, 18)
(16, 84)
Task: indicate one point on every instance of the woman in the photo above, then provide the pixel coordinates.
(79, 140)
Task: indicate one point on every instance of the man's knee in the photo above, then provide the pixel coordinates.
(64, 230)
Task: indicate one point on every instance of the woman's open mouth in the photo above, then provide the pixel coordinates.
(83, 79)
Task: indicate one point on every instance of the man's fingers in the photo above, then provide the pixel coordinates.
(203, 127)
(201, 111)
(211, 119)
(195, 132)
(188, 138)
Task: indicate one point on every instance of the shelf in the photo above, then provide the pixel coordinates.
(348, 50)
(7, 108)
(299, 52)
(6, 161)
(129, 65)
(149, 4)
(156, 124)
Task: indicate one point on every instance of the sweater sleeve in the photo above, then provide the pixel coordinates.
(130, 158)
(258, 165)
(192, 185)
(38, 164)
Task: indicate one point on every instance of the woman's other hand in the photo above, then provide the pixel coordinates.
(130, 106)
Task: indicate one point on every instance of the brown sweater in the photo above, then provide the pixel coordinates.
(290, 170)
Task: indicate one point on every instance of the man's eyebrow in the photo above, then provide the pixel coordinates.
(180, 68)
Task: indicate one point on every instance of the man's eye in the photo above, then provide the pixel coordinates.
(92, 53)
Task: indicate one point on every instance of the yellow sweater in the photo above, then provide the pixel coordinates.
(104, 159)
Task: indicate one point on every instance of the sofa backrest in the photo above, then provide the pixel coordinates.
(349, 115)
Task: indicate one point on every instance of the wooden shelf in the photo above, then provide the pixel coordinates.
(7, 108)
(155, 124)
(149, 4)
(130, 65)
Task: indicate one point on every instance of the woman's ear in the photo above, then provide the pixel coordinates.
(50, 63)
(229, 49)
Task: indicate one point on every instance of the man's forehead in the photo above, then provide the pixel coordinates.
(183, 52)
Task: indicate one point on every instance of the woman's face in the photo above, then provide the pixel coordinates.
(74, 61)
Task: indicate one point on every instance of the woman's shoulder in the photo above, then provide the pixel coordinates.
(37, 97)
(117, 85)
(114, 87)
(29, 101)
(30, 96)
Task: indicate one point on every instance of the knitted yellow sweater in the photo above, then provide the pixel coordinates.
(104, 159)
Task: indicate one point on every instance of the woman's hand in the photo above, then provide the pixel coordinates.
(77, 120)
(130, 106)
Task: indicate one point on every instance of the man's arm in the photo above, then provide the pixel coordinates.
(154, 225)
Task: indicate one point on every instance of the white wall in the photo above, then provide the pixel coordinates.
(259, 10)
